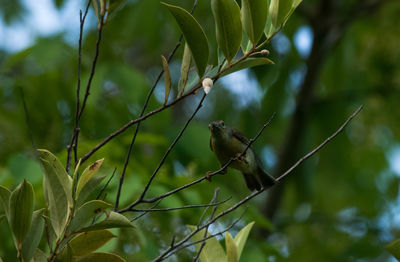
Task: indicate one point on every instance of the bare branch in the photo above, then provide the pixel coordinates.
(141, 197)
(320, 146)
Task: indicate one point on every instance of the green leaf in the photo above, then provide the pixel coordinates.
(58, 190)
(241, 238)
(34, 235)
(87, 174)
(88, 242)
(212, 250)
(88, 188)
(185, 66)
(394, 248)
(228, 26)
(287, 12)
(246, 44)
(39, 256)
(112, 220)
(167, 78)
(254, 16)
(21, 209)
(86, 213)
(231, 248)
(101, 257)
(5, 200)
(249, 62)
(194, 36)
(272, 18)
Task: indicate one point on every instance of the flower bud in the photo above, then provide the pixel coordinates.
(207, 84)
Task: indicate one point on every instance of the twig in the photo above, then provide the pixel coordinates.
(320, 146)
(178, 208)
(206, 229)
(76, 124)
(146, 188)
(145, 212)
(106, 184)
(28, 121)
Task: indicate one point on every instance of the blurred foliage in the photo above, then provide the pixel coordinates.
(341, 205)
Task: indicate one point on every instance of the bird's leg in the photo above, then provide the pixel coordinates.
(242, 158)
(208, 174)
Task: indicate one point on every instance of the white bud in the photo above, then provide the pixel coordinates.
(207, 84)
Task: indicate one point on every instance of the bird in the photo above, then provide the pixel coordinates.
(228, 143)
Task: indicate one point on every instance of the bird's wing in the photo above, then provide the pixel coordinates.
(236, 133)
(211, 145)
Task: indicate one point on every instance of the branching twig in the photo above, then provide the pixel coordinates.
(75, 134)
(141, 197)
(106, 184)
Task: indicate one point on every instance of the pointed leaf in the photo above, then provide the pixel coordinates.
(212, 250)
(249, 62)
(394, 248)
(101, 257)
(58, 188)
(112, 220)
(272, 19)
(88, 189)
(246, 44)
(167, 78)
(88, 242)
(231, 248)
(87, 174)
(34, 235)
(185, 66)
(254, 16)
(5, 200)
(86, 213)
(194, 36)
(21, 209)
(241, 238)
(228, 26)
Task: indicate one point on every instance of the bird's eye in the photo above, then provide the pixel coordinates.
(222, 124)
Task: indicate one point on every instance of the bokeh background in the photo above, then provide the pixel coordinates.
(332, 56)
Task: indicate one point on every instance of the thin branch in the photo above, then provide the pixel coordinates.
(76, 124)
(206, 229)
(106, 184)
(145, 212)
(320, 146)
(146, 188)
(179, 208)
(28, 120)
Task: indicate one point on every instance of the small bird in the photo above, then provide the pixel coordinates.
(228, 143)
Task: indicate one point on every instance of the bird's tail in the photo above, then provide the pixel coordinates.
(266, 179)
(259, 180)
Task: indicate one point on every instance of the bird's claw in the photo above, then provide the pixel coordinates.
(208, 176)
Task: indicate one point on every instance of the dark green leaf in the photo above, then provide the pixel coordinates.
(5, 199)
(167, 78)
(185, 66)
(194, 35)
(254, 16)
(88, 242)
(101, 257)
(249, 62)
(228, 26)
(87, 174)
(34, 235)
(21, 209)
(112, 220)
(86, 213)
(58, 188)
